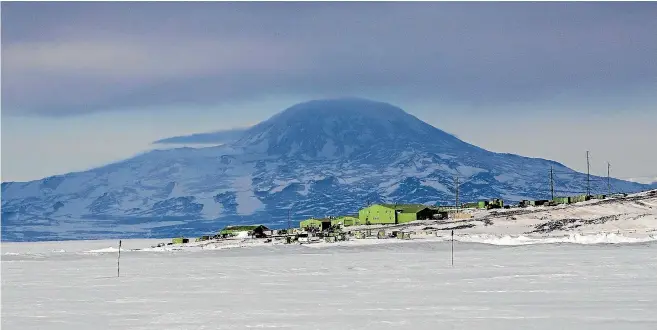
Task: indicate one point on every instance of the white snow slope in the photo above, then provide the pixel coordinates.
(634, 215)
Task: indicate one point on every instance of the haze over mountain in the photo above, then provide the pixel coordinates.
(318, 158)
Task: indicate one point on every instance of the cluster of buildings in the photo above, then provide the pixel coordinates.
(376, 214)
(394, 214)
(330, 228)
(391, 214)
(579, 198)
(566, 200)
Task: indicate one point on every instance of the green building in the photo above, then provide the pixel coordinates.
(349, 220)
(319, 224)
(395, 213)
(495, 203)
(579, 198)
(326, 223)
(314, 223)
(475, 205)
(257, 230)
(337, 221)
(561, 200)
(180, 240)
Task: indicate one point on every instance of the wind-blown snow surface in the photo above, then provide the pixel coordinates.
(406, 285)
(318, 158)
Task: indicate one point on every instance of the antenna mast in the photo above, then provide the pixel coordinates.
(552, 182)
(608, 178)
(457, 192)
(588, 176)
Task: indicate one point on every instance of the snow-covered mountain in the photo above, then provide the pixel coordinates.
(324, 157)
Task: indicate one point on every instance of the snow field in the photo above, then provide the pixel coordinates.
(379, 286)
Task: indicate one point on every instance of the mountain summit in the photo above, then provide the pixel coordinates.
(317, 158)
(344, 128)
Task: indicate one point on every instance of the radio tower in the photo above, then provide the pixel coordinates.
(552, 182)
(588, 176)
(608, 179)
(457, 193)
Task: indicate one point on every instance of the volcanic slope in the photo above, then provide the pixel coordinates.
(318, 158)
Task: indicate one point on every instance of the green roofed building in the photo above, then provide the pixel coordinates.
(475, 205)
(326, 223)
(395, 213)
(579, 198)
(255, 230)
(561, 200)
(319, 224)
(180, 240)
(314, 223)
(350, 220)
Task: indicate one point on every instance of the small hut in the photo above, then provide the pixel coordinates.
(257, 231)
(180, 240)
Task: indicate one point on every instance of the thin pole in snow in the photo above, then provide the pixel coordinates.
(118, 262)
(452, 248)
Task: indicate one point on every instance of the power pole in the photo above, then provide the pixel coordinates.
(289, 212)
(457, 193)
(608, 179)
(588, 176)
(552, 182)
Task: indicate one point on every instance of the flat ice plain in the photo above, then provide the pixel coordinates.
(409, 285)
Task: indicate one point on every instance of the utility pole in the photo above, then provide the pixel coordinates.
(289, 212)
(552, 182)
(457, 192)
(608, 179)
(588, 176)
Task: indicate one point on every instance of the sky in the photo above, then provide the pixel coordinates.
(85, 84)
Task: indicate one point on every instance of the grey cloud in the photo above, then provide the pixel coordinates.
(63, 58)
(217, 137)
